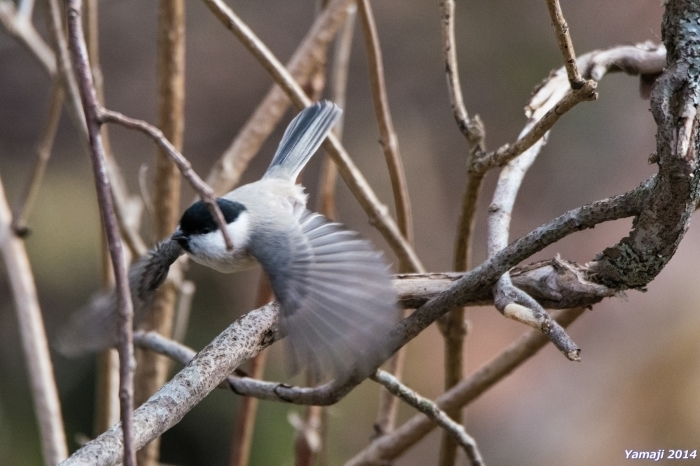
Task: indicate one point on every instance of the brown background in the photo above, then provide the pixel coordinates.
(637, 385)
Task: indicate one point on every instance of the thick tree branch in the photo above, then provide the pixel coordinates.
(660, 226)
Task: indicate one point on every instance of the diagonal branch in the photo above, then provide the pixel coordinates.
(44, 393)
(375, 210)
(184, 165)
(561, 30)
(432, 411)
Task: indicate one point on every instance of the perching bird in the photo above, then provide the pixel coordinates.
(336, 299)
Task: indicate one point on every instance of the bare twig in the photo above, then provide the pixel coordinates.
(388, 139)
(184, 165)
(186, 291)
(245, 419)
(123, 203)
(561, 30)
(453, 325)
(388, 404)
(33, 336)
(242, 340)
(507, 152)
(227, 170)
(152, 369)
(124, 306)
(509, 300)
(376, 211)
(431, 410)
(391, 446)
(22, 213)
(339, 80)
(18, 22)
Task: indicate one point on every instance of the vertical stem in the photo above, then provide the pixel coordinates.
(339, 81)
(152, 368)
(245, 425)
(388, 404)
(107, 383)
(36, 349)
(453, 325)
(91, 110)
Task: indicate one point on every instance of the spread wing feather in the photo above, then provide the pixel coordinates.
(336, 297)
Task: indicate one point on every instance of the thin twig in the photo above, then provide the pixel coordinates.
(509, 300)
(376, 211)
(18, 22)
(507, 152)
(124, 306)
(388, 139)
(339, 81)
(453, 325)
(106, 412)
(227, 171)
(242, 440)
(205, 192)
(388, 404)
(186, 291)
(391, 446)
(152, 369)
(561, 30)
(33, 336)
(26, 204)
(431, 410)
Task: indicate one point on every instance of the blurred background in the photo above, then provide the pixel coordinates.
(637, 384)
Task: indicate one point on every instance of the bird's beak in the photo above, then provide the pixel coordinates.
(181, 238)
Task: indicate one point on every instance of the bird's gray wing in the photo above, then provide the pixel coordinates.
(334, 290)
(94, 327)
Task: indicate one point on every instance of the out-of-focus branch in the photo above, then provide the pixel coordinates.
(184, 165)
(18, 23)
(376, 211)
(245, 419)
(92, 118)
(391, 446)
(453, 325)
(561, 30)
(123, 203)
(26, 204)
(47, 406)
(339, 81)
(388, 404)
(388, 139)
(152, 369)
(227, 170)
(431, 410)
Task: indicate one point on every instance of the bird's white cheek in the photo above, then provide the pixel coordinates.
(239, 231)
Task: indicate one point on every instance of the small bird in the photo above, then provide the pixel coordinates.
(336, 299)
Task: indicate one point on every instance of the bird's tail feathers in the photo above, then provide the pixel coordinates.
(302, 138)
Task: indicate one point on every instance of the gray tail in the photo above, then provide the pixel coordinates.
(302, 138)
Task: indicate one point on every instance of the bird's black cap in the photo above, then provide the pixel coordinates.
(198, 220)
